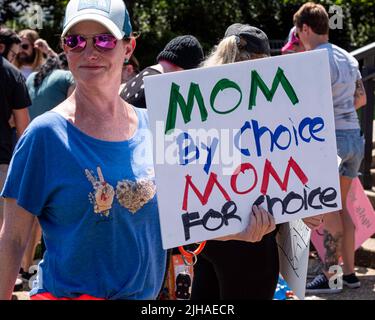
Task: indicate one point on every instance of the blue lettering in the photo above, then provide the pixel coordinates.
(317, 125)
(258, 133)
(304, 123)
(237, 138)
(184, 152)
(307, 132)
(211, 152)
(278, 132)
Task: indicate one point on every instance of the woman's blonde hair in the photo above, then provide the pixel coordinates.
(229, 50)
(32, 36)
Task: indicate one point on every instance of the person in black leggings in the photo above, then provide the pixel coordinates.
(237, 270)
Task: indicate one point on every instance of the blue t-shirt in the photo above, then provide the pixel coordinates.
(51, 92)
(344, 74)
(96, 203)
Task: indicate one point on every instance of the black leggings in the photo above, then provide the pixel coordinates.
(237, 270)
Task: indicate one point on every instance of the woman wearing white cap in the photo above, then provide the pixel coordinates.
(85, 171)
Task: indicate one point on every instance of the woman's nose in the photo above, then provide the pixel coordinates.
(90, 51)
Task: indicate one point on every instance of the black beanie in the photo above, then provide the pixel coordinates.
(183, 51)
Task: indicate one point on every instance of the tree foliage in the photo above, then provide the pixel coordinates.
(9, 9)
(19, 15)
(158, 21)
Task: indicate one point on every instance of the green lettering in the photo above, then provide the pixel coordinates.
(186, 108)
(221, 86)
(256, 81)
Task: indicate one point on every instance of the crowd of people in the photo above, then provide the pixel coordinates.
(76, 117)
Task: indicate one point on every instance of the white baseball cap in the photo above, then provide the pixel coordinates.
(112, 14)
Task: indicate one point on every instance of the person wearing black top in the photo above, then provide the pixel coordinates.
(14, 100)
(236, 269)
(181, 53)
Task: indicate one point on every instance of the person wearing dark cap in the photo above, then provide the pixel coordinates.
(181, 53)
(256, 41)
(236, 269)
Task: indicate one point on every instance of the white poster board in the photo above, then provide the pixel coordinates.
(293, 240)
(227, 137)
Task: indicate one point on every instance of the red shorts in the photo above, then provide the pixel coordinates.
(48, 296)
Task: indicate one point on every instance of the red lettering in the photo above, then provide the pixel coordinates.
(241, 169)
(207, 192)
(270, 170)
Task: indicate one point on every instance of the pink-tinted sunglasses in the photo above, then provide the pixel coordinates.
(102, 42)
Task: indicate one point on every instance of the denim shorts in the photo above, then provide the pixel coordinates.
(350, 148)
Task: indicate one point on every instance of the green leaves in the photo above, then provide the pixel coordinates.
(161, 20)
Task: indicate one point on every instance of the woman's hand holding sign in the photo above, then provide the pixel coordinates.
(260, 223)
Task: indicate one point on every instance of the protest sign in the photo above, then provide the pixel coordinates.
(228, 137)
(362, 214)
(293, 240)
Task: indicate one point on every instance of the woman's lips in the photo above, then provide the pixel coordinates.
(91, 67)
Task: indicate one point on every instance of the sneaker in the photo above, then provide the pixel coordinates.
(26, 275)
(351, 281)
(18, 286)
(320, 284)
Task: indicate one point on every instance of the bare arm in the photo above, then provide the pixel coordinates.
(21, 120)
(360, 98)
(14, 236)
(43, 46)
(313, 222)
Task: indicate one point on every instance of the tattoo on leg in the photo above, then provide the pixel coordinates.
(332, 244)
